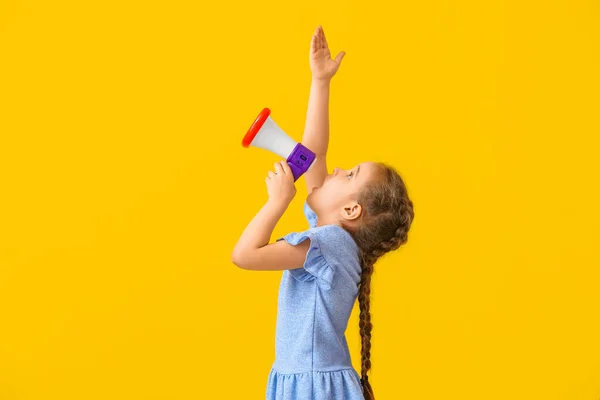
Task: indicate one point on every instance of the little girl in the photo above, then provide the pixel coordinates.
(355, 216)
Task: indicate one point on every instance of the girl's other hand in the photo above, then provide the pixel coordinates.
(321, 64)
(280, 184)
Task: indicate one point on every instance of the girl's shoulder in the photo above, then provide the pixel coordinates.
(332, 251)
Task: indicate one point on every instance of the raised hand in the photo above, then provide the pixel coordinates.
(321, 64)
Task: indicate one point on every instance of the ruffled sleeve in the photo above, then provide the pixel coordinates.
(315, 266)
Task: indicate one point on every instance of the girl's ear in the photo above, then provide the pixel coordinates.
(352, 211)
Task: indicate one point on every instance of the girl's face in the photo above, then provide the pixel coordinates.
(336, 197)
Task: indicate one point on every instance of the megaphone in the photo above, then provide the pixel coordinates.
(265, 133)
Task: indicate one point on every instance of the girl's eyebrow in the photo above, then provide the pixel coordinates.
(357, 169)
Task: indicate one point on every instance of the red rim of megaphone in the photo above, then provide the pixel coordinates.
(256, 125)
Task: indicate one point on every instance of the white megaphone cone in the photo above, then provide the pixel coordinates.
(265, 133)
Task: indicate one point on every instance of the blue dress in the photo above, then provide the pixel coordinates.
(312, 361)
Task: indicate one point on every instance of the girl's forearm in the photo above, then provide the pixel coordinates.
(316, 130)
(258, 232)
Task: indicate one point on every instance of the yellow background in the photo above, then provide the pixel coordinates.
(124, 187)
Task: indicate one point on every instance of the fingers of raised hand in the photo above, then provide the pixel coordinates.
(318, 39)
(324, 41)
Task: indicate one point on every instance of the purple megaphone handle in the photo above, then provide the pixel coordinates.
(300, 160)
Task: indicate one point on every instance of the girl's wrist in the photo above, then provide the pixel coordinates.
(321, 81)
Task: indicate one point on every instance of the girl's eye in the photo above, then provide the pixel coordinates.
(351, 173)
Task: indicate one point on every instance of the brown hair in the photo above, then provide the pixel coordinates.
(387, 214)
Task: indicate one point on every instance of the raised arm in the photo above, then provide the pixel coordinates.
(316, 131)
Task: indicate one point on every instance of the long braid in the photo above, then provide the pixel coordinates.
(364, 323)
(364, 302)
(387, 209)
